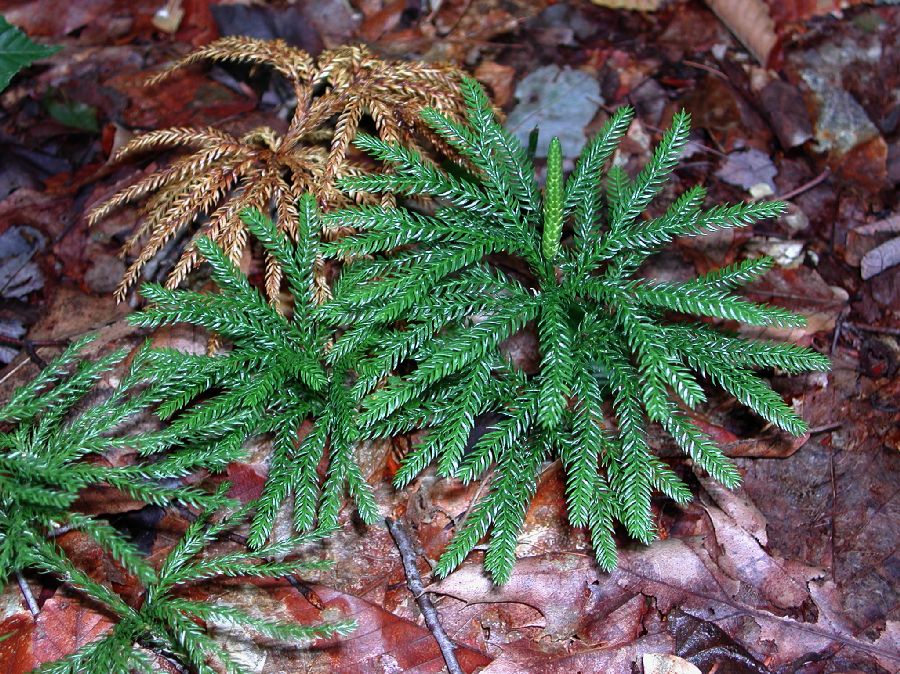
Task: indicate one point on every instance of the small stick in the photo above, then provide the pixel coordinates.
(805, 186)
(873, 328)
(32, 353)
(709, 69)
(34, 343)
(26, 593)
(414, 582)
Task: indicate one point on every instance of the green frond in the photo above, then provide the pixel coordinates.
(581, 452)
(414, 175)
(583, 185)
(633, 199)
(55, 447)
(689, 298)
(423, 316)
(734, 275)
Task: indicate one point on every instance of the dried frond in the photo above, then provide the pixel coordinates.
(223, 174)
(392, 93)
(295, 64)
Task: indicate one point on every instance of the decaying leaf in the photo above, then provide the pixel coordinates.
(750, 22)
(655, 663)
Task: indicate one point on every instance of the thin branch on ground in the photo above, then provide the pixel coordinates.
(414, 582)
(873, 328)
(26, 593)
(805, 186)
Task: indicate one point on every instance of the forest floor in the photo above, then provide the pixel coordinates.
(796, 572)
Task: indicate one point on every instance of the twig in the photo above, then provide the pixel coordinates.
(32, 353)
(26, 593)
(30, 346)
(825, 428)
(838, 329)
(414, 582)
(873, 328)
(805, 186)
(702, 66)
(38, 343)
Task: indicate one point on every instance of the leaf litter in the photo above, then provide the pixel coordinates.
(795, 572)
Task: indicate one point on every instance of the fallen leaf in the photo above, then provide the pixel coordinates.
(880, 258)
(499, 79)
(386, 643)
(703, 644)
(654, 663)
(750, 22)
(15, 648)
(744, 559)
(748, 168)
(525, 658)
(638, 5)
(559, 102)
(739, 507)
(559, 586)
(787, 114)
(64, 625)
(19, 274)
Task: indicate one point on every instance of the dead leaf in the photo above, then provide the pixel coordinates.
(654, 663)
(750, 22)
(526, 658)
(749, 168)
(15, 649)
(499, 79)
(560, 102)
(19, 274)
(705, 645)
(739, 507)
(744, 559)
(386, 643)
(638, 5)
(556, 585)
(64, 625)
(880, 258)
(787, 114)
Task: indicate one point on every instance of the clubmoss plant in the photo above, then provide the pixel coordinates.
(271, 380)
(53, 448)
(167, 623)
(434, 296)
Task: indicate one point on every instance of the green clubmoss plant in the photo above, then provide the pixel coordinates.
(430, 299)
(271, 380)
(168, 624)
(53, 446)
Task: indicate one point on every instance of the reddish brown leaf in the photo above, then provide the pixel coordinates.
(64, 625)
(383, 641)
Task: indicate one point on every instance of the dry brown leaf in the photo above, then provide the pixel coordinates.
(750, 22)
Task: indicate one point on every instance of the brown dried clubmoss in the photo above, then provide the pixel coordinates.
(222, 174)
